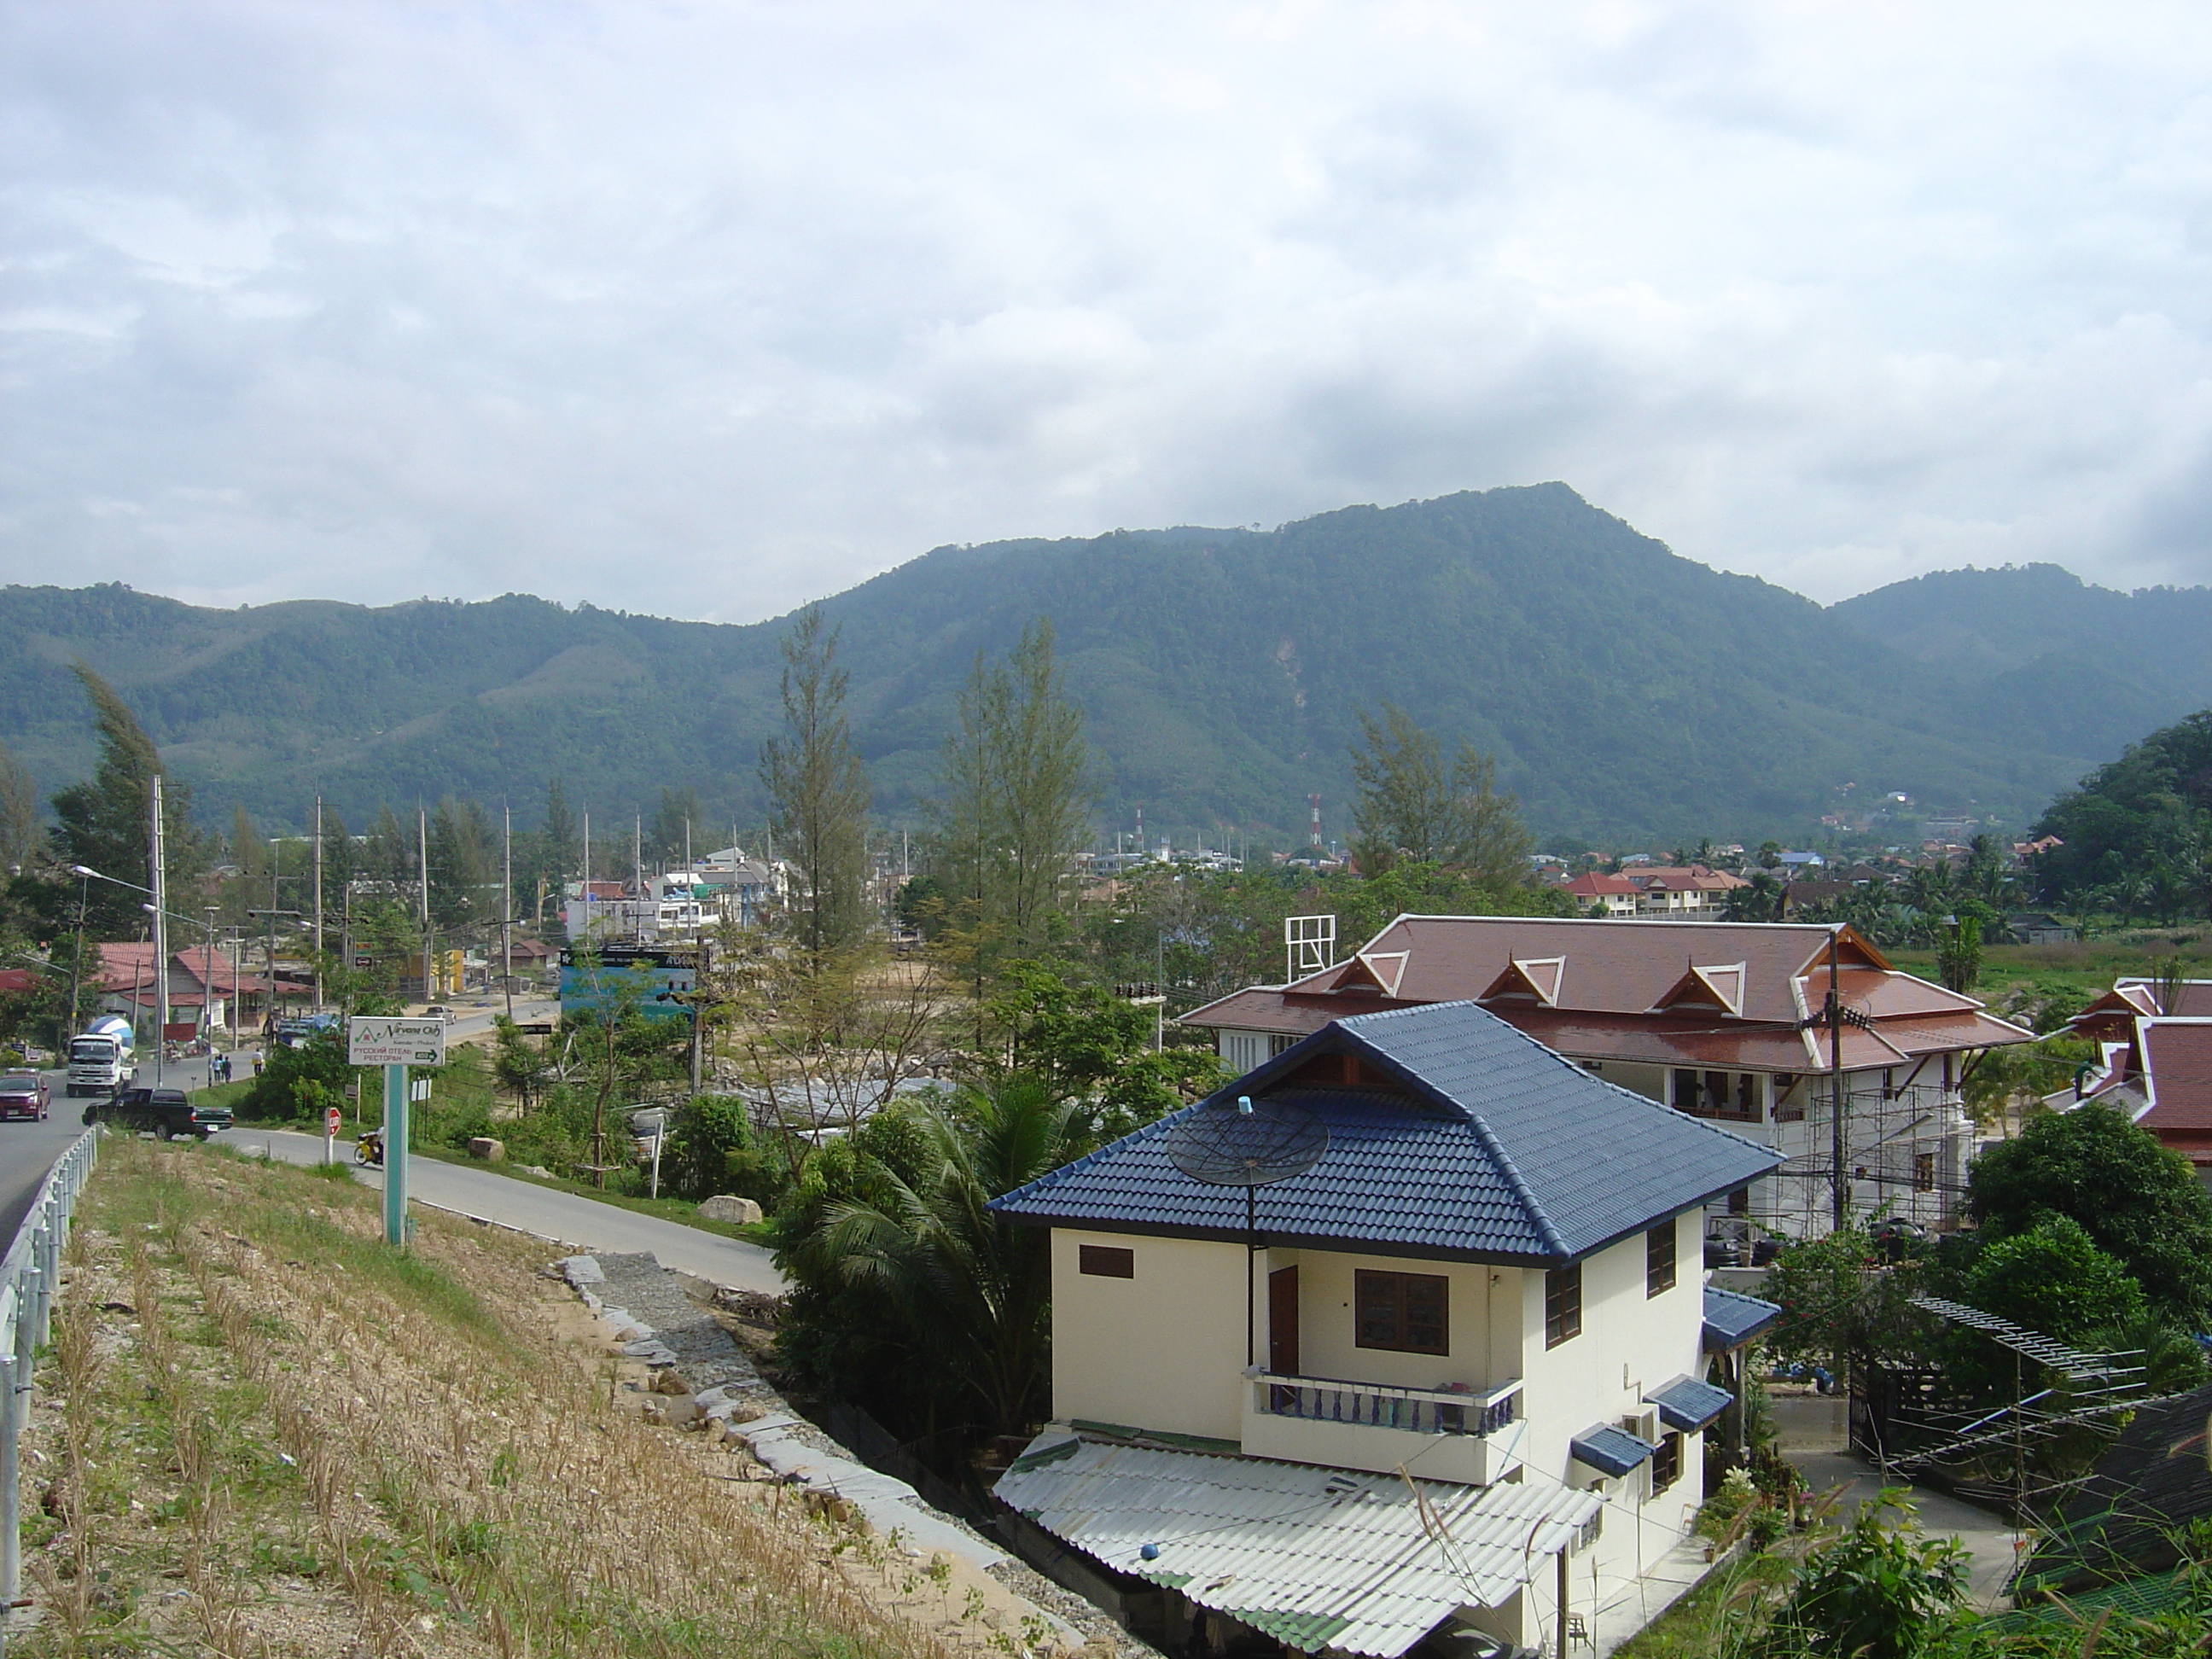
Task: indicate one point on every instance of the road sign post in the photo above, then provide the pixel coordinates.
(330, 1134)
(395, 1044)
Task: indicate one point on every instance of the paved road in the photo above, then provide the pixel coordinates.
(28, 1151)
(544, 1210)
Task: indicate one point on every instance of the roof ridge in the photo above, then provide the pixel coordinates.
(1539, 1219)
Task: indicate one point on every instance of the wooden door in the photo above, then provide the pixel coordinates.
(1283, 1321)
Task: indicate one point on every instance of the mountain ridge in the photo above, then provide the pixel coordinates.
(1628, 693)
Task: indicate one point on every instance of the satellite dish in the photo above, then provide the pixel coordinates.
(1243, 1143)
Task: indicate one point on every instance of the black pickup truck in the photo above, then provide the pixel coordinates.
(168, 1112)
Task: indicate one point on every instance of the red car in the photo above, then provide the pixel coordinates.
(23, 1094)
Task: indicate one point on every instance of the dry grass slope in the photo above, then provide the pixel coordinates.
(260, 1432)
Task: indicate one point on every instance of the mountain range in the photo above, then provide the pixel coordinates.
(1629, 694)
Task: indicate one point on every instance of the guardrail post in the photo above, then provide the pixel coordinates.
(11, 1507)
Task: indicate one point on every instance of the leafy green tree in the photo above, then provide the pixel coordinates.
(1881, 1590)
(1411, 808)
(299, 1080)
(463, 865)
(105, 822)
(1843, 1303)
(2053, 1279)
(706, 1132)
(818, 791)
(1011, 805)
(2137, 1201)
(1082, 1043)
(22, 832)
(1959, 958)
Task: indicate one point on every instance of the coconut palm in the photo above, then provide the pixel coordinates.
(964, 1290)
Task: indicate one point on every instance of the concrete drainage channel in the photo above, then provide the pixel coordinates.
(715, 1382)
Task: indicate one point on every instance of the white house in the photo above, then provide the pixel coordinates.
(1451, 1370)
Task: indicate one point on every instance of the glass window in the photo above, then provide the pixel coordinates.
(1404, 1311)
(1659, 1259)
(1563, 1304)
(1107, 1262)
(1666, 1463)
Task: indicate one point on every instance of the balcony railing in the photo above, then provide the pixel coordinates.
(1371, 1405)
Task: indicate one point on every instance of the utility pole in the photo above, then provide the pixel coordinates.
(268, 947)
(207, 980)
(637, 855)
(157, 858)
(429, 973)
(1840, 1192)
(507, 906)
(318, 904)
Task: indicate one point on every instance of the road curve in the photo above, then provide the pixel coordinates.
(543, 1209)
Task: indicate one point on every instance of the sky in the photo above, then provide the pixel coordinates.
(708, 310)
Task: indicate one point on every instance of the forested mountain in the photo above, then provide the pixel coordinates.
(1626, 692)
(2037, 657)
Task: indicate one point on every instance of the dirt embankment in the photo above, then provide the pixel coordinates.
(260, 1431)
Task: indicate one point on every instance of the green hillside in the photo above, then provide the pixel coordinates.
(1628, 693)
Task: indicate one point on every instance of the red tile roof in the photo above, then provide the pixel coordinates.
(1666, 992)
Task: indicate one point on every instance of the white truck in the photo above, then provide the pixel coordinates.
(100, 1056)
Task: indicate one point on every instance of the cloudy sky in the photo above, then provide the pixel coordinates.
(707, 310)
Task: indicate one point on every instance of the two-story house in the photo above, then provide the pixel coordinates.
(1454, 1371)
(1725, 1021)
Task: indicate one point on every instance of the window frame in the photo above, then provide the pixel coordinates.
(1663, 1235)
(1563, 1304)
(1666, 1462)
(1367, 1280)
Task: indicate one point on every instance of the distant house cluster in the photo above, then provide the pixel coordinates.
(1654, 892)
(676, 906)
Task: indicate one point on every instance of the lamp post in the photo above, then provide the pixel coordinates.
(76, 963)
(161, 968)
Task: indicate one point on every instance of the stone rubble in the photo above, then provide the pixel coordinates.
(662, 1326)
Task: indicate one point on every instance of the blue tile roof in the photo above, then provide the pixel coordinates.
(1610, 1451)
(1687, 1404)
(1497, 1148)
(1732, 1320)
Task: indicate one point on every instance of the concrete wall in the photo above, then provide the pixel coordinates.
(1164, 1350)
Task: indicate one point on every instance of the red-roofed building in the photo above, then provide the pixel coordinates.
(2157, 1062)
(1595, 893)
(1722, 1020)
(203, 991)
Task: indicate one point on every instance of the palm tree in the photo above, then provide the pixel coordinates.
(969, 1290)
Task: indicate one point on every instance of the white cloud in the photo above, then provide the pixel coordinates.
(711, 309)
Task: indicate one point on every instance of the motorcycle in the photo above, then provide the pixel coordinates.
(369, 1150)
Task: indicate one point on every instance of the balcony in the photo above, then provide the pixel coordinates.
(1466, 1434)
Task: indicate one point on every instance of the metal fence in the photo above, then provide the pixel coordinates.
(29, 1276)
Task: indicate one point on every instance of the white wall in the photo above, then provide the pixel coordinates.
(1164, 1350)
(1629, 1344)
(1483, 1353)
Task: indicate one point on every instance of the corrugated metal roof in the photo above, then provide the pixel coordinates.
(1495, 1148)
(1323, 1559)
(1687, 1404)
(1733, 1319)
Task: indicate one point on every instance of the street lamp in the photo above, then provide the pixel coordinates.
(76, 961)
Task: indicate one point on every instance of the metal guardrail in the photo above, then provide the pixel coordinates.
(29, 1276)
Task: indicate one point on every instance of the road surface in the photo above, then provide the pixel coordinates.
(544, 1210)
(28, 1151)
